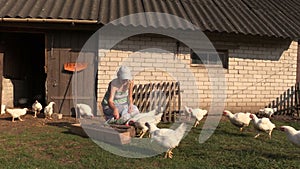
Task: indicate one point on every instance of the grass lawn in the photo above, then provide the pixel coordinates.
(51, 146)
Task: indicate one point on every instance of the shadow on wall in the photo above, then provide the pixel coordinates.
(251, 47)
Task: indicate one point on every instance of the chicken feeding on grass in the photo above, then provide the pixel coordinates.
(84, 110)
(139, 120)
(17, 113)
(262, 125)
(292, 134)
(268, 111)
(166, 137)
(197, 113)
(36, 107)
(240, 119)
(48, 110)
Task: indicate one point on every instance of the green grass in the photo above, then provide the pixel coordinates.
(54, 147)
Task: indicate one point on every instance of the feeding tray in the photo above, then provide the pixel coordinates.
(72, 67)
(116, 135)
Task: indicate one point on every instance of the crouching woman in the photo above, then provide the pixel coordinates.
(117, 102)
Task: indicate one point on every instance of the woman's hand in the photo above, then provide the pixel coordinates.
(116, 113)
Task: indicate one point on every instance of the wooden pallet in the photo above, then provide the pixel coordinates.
(167, 95)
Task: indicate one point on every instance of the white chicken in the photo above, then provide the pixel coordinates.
(84, 110)
(36, 107)
(17, 113)
(140, 122)
(136, 118)
(48, 110)
(3, 108)
(268, 111)
(166, 137)
(197, 113)
(240, 119)
(142, 115)
(262, 125)
(292, 134)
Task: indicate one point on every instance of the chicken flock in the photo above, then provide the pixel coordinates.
(166, 137)
(171, 138)
(36, 108)
(263, 124)
(83, 110)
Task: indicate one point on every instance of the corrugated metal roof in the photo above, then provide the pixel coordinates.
(50, 9)
(274, 15)
(278, 18)
(156, 19)
(111, 10)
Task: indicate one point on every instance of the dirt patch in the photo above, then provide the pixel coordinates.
(286, 118)
(29, 121)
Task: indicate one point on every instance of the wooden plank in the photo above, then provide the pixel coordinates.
(297, 90)
(288, 102)
(1, 75)
(284, 103)
(292, 100)
(173, 113)
(280, 103)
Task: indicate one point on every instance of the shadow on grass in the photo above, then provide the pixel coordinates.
(60, 124)
(66, 125)
(137, 148)
(274, 155)
(232, 132)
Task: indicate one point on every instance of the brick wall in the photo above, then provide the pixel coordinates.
(7, 92)
(260, 69)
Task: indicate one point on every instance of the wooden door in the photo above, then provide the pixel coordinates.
(63, 48)
(1, 75)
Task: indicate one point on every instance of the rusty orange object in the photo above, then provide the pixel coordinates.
(75, 66)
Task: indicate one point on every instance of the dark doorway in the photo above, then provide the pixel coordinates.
(24, 61)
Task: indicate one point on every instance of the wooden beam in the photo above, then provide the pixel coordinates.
(1, 75)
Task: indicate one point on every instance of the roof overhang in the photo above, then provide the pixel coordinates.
(43, 20)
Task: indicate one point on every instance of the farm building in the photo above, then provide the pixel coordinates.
(248, 50)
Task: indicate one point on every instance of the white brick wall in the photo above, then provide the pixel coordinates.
(7, 92)
(259, 69)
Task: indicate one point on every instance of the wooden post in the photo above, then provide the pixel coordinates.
(296, 97)
(298, 63)
(280, 103)
(284, 103)
(1, 75)
(292, 106)
(288, 102)
(277, 105)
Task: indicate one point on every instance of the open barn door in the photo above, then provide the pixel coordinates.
(23, 67)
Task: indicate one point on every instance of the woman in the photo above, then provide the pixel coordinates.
(117, 102)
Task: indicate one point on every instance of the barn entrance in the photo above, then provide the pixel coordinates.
(23, 65)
